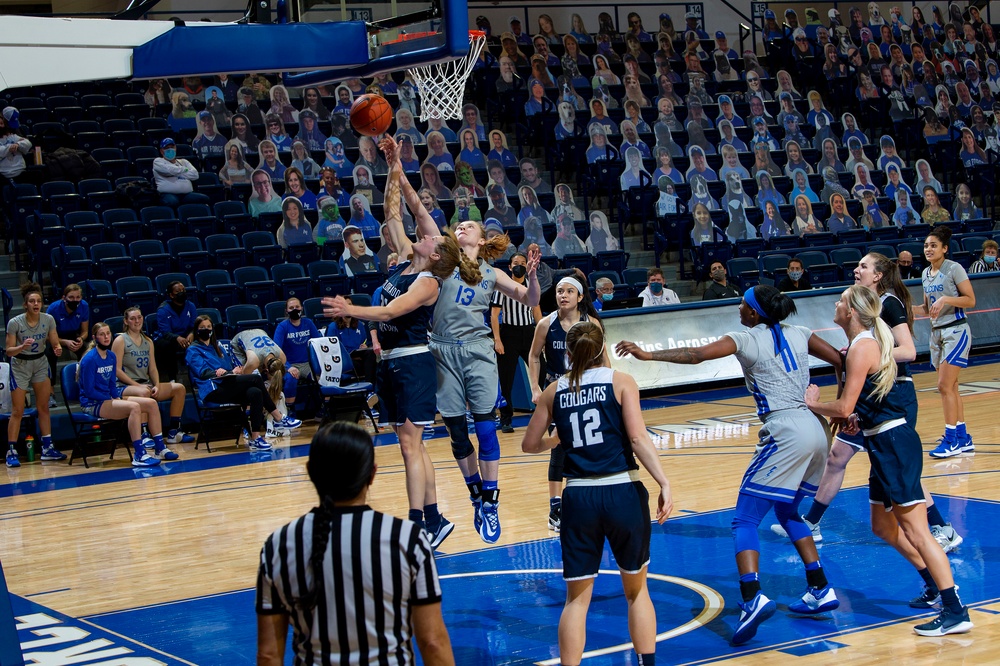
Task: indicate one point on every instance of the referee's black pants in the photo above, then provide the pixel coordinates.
(516, 342)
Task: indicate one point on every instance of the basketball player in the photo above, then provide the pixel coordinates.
(138, 376)
(28, 336)
(466, 362)
(879, 273)
(873, 401)
(100, 397)
(600, 429)
(574, 306)
(791, 455)
(947, 295)
(254, 349)
(407, 379)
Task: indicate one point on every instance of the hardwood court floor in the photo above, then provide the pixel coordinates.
(87, 542)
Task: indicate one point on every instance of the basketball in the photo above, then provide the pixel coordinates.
(371, 115)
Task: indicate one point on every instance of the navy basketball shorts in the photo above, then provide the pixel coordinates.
(591, 514)
(407, 389)
(897, 462)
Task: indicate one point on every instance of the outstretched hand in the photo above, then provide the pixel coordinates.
(390, 148)
(626, 348)
(534, 258)
(336, 306)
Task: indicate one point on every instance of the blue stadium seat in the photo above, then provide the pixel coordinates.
(215, 289)
(257, 286)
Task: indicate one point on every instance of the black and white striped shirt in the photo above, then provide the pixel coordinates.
(382, 566)
(512, 313)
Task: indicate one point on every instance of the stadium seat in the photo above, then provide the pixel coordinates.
(292, 281)
(215, 289)
(243, 317)
(257, 286)
(89, 430)
(226, 251)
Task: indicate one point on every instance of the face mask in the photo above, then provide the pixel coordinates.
(795, 275)
(295, 315)
(204, 334)
(72, 305)
(170, 153)
(718, 276)
(102, 347)
(607, 297)
(655, 287)
(180, 298)
(518, 271)
(989, 259)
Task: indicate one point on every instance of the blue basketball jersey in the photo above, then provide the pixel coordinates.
(555, 347)
(410, 329)
(590, 426)
(872, 412)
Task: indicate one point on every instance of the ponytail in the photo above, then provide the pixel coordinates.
(585, 347)
(867, 306)
(274, 370)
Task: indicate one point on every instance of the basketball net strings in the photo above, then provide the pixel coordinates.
(441, 85)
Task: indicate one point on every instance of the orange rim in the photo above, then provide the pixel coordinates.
(473, 34)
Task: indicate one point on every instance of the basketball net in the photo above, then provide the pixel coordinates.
(441, 85)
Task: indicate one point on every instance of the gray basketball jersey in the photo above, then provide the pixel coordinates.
(944, 283)
(135, 359)
(462, 309)
(254, 340)
(776, 381)
(38, 334)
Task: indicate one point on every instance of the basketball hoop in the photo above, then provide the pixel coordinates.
(440, 85)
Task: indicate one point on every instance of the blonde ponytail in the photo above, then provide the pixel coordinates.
(868, 306)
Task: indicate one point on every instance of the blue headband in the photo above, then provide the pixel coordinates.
(781, 347)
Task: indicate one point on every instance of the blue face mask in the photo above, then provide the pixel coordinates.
(989, 259)
(608, 297)
(655, 287)
(170, 153)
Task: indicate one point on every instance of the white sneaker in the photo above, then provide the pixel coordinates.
(180, 438)
(815, 601)
(814, 528)
(259, 444)
(947, 537)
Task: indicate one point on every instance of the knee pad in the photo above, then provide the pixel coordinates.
(789, 518)
(461, 446)
(750, 511)
(486, 433)
(556, 460)
(291, 386)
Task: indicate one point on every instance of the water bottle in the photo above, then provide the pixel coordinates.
(96, 431)
(29, 444)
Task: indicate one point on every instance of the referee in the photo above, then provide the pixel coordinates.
(513, 326)
(379, 583)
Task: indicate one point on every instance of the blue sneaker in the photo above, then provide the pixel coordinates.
(815, 601)
(946, 623)
(259, 444)
(489, 529)
(445, 527)
(752, 614)
(950, 447)
(144, 459)
(178, 437)
(288, 423)
(12, 460)
(52, 453)
(477, 513)
(163, 453)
